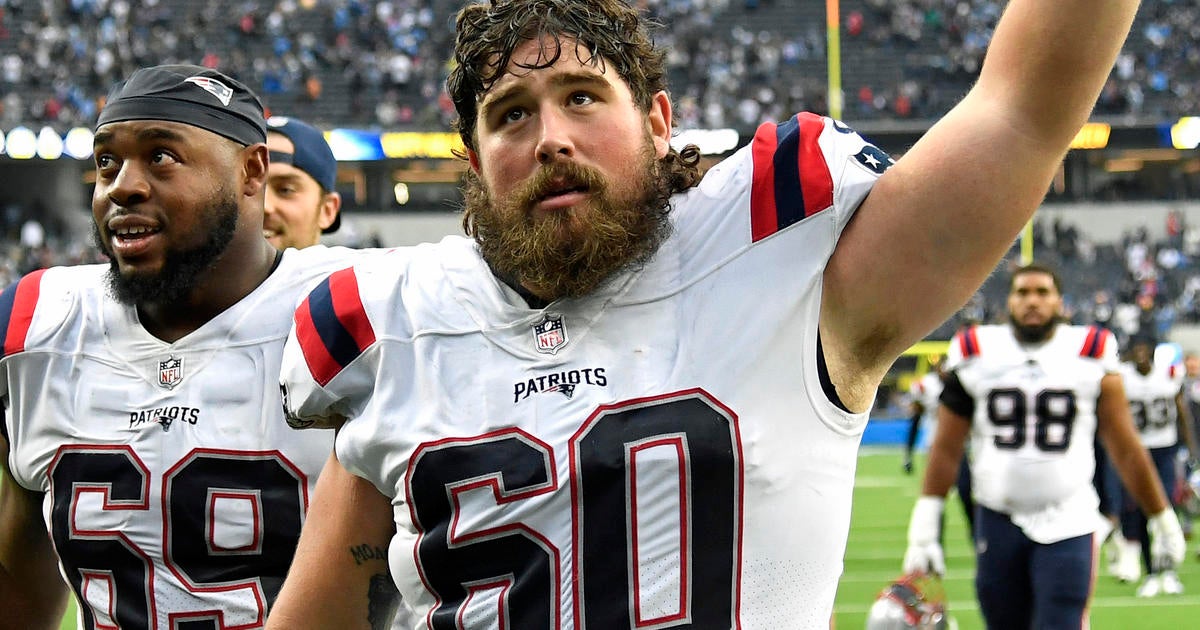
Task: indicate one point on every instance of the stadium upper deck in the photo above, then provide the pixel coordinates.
(380, 63)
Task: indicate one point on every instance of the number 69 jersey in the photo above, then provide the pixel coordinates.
(171, 493)
(659, 453)
(1032, 409)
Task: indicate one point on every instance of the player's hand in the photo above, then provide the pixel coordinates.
(924, 551)
(1167, 545)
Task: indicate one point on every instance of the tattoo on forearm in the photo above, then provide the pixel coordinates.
(363, 553)
(382, 596)
(382, 600)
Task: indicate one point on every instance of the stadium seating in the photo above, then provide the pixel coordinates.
(380, 63)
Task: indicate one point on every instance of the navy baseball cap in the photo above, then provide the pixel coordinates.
(311, 155)
(193, 95)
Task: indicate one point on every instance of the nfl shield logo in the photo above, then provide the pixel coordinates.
(550, 334)
(170, 372)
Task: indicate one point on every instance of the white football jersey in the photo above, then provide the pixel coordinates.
(1033, 423)
(172, 492)
(926, 391)
(657, 453)
(1152, 402)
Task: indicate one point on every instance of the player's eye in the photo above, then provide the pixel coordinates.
(161, 158)
(582, 98)
(513, 115)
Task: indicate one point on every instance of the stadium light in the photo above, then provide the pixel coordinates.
(354, 145)
(21, 143)
(1185, 134)
(78, 143)
(49, 144)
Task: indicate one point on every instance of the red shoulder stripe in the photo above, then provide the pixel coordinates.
(968, 342)
(320, 363)
(815, 178)
(332, 326)
(1093, 344)
(19, 301)
(762, 189)
(343, 286)
(791, 179)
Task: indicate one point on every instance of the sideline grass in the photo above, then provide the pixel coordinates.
(883, 498)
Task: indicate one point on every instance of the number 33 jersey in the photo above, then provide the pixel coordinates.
(171, 493)
(1032, 409)
(658, 453)
(1152, 401)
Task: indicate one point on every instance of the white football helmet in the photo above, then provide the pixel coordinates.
(915, 601)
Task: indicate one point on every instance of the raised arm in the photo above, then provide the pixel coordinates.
(339, 577)
(937, 222)
(32, 594)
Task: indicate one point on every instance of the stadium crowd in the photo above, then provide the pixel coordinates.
(381, 63)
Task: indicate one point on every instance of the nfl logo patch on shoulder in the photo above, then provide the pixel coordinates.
(170, 372)
(550, 334)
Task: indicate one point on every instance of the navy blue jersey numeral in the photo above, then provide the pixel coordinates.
(687, 435)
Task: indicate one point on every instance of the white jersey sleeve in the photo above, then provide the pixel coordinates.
(332, 329)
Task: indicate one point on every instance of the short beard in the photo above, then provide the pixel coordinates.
(1033, 334)
(181, 268)
(570, 253)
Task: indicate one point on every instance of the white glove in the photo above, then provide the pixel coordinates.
(1167, 545)
(924, 551)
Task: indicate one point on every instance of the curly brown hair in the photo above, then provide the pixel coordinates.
(614, 32)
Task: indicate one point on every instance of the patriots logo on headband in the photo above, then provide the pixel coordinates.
(223, 92)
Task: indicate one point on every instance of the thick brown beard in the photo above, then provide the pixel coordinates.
(570, 253)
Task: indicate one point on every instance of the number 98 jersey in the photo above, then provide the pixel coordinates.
(1032, 409)
(172, 494)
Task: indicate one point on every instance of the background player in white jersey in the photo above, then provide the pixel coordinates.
(635, 398)
(1154, 386)
(141, 397)
(1032, 395)
(923, 396)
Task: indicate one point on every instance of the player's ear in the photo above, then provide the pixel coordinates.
(331, 204)
(255, 160)
(473, 160)
(658, 121)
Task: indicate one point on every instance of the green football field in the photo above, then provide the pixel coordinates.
(883, 498)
